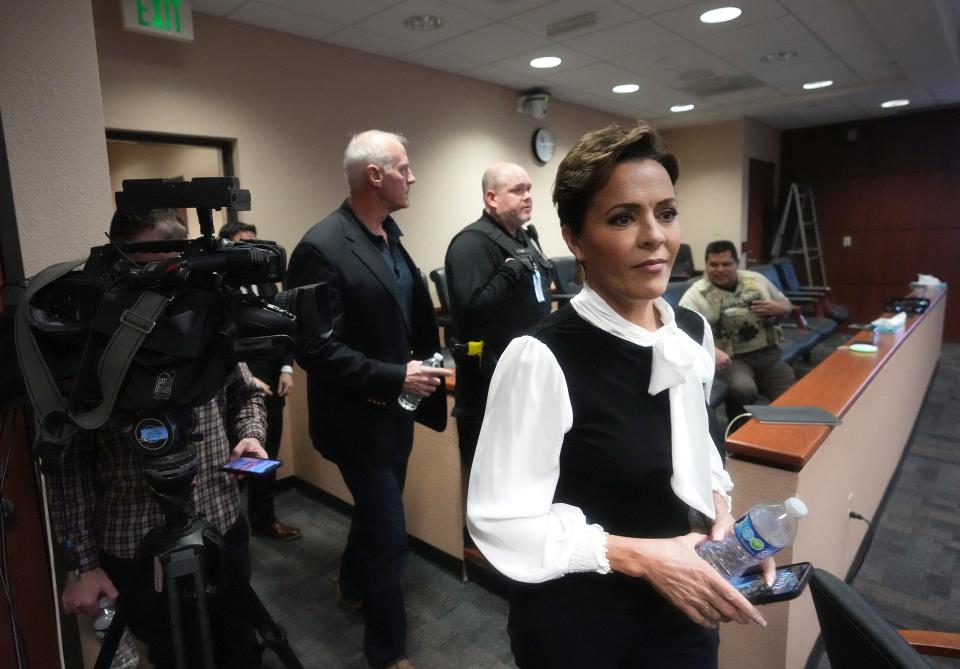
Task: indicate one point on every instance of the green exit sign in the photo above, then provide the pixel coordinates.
(163, 18)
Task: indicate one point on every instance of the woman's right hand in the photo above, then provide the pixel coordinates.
(674, 569)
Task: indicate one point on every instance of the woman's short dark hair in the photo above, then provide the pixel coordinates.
(587, 167)
(721, 246)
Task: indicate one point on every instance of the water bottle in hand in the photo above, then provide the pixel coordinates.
(126, 656)
(411, 402)
(761, 532)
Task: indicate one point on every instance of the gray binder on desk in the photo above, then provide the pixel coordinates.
(796, 415)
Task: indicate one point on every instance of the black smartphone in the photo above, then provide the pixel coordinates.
(789, 582)
(251, 466)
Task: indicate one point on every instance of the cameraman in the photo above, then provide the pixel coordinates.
(499, 284)
(277, 378)
(100, 501)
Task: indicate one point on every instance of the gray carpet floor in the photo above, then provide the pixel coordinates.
(911, 573)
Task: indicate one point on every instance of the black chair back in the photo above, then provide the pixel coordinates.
(439, 278)
(683, 265)
(854, 634)
(564, 269)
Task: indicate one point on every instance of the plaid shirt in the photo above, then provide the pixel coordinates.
(100, 500)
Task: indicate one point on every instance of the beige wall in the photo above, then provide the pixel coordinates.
(291, 104)
(53, 129)
(710, 185)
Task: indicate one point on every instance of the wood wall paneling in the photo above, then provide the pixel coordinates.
(894, 189)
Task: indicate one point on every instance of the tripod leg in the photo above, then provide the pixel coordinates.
(176, 619)
(274, 636)
(124, 603)
(203, 618)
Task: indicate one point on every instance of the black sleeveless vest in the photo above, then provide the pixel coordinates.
(616, 460)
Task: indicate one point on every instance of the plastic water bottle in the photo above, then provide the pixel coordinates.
(126, 656)
(761, 532)
(411, 402)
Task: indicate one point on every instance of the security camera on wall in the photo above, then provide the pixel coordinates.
(533, 102)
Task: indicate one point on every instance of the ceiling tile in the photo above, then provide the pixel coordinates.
(284, 20)
(768, 35)
(609, 14)
(498, 9)
(650, 7)
(341, 11)
(431, 57)
(599, 79)
(491, 43)
(790, 79)
(685, 20)
(571, 61)
(678, 56)
(752, 61)
(509, 78)
(695, 71)
(836, 17)
(889, 72)
(455, 21)
(858, 49)
(364, 40)
(624, 39)
(215, 7)
(749, 95)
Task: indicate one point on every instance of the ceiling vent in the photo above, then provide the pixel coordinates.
(716, 84)
(571, 24)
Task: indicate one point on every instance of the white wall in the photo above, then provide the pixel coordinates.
(53, 129)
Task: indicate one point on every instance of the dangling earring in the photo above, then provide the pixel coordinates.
(579, 274)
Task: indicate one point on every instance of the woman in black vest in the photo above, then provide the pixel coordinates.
(595, 475)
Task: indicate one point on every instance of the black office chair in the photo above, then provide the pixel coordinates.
(683, 268)
(791, 285)
(856, 636)
(439, 278)
(564, 268)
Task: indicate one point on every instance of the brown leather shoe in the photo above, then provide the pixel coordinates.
(277, 530)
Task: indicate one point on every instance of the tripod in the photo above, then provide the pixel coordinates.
(185, 554)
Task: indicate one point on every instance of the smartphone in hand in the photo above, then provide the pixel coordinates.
(788, 583)
(251, 466)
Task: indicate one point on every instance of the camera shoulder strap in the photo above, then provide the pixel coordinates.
(51, 407)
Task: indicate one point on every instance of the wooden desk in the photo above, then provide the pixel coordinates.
(834, 470)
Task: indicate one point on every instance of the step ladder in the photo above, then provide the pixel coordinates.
(800, 218)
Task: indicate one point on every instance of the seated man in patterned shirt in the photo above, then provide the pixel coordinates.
(101, 503)
(743, 309)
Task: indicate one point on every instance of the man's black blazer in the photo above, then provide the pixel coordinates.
(356, 376)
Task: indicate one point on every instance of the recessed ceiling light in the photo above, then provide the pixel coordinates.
(894, 103)
(814, 85)
(681, 108)
(721, 15)
(626, 88)
(544, 62)
(421, 22)
(778, 56)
